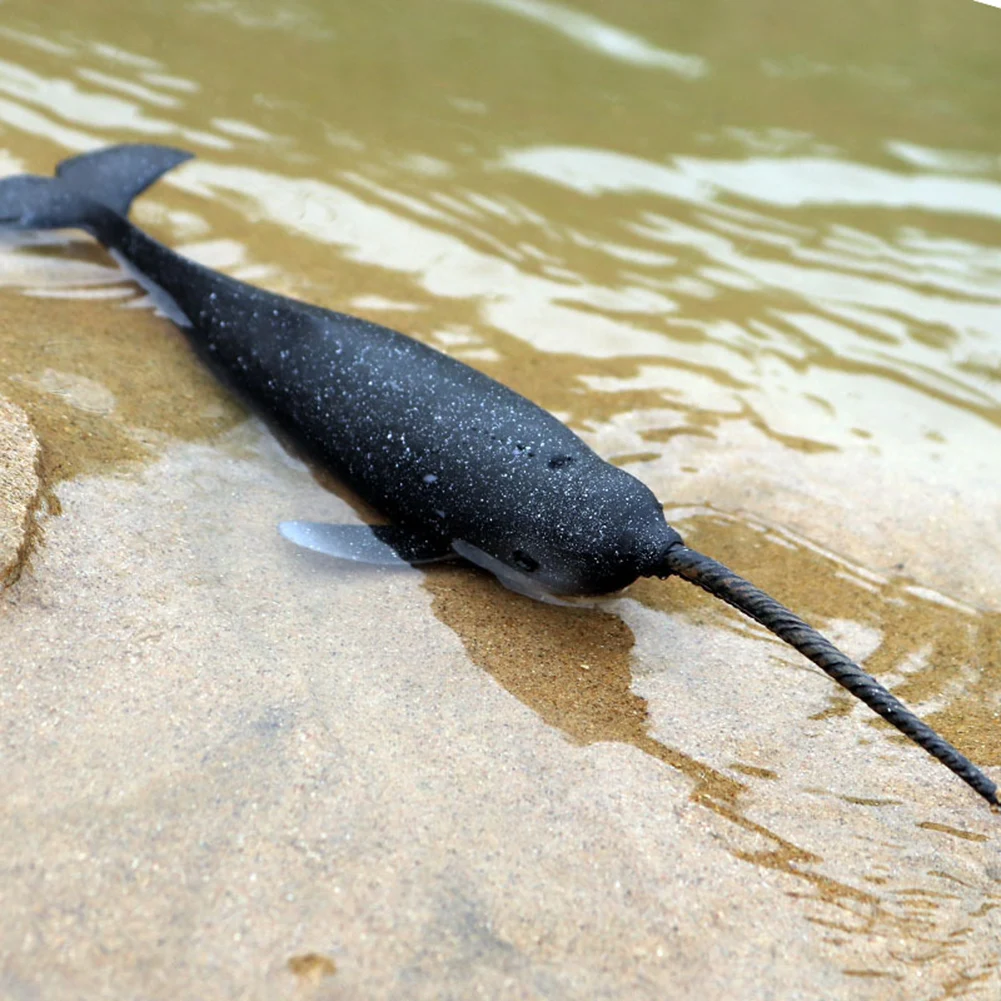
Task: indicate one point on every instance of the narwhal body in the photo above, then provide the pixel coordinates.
(458, 463)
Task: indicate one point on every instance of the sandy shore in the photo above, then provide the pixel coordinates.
(222, 756)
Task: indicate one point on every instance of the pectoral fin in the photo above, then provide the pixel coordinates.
(512, 579)
(381, 545)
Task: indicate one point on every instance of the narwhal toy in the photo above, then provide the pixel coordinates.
(459, 464)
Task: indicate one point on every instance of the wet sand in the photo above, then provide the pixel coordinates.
(222, 754)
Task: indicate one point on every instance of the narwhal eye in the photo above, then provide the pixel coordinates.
(524, 562)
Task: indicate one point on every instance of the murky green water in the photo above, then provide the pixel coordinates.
(751, 251)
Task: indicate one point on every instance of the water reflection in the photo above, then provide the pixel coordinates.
(64, 100)
(737, 280)
(599, 36)
(780, 182)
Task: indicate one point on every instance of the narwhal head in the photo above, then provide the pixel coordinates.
(592, 531)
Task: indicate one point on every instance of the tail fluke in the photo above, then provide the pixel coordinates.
(118, 174)
(85, 187)
(28, 202)
(723, 583)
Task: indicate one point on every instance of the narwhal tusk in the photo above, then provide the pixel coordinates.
(721, 582)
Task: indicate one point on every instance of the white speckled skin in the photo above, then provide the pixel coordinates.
(435, 445)
(429, 441)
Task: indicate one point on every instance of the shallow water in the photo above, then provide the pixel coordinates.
(749, 253)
